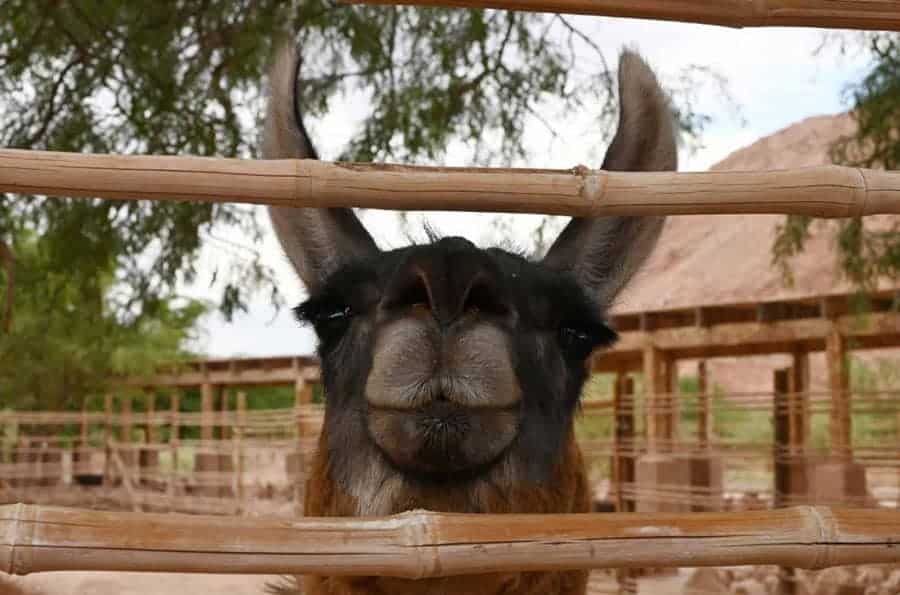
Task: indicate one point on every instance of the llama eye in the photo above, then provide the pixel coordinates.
(331, 324)
(336, 315)
(576, 341)
(579, 341)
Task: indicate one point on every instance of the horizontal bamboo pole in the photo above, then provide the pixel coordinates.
(422, 544)
(829, 191)
(835, 14)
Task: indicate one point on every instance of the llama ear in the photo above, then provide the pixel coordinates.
(604, 252)
(317, 241)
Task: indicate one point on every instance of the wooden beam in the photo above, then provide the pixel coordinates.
(834, 14)
(281, 376)
(839, 385)
(421, 544)
(879, 329)
(827, 191)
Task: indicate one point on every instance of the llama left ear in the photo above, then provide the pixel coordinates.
(605, 252)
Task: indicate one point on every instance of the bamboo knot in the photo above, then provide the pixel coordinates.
(593, 187)
(418, 527)
(858, 207)
(826, 535)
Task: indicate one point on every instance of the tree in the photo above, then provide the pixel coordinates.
(181, 77)
(867, 251)
(66, 342)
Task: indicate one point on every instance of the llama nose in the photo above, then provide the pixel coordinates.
(447, 288)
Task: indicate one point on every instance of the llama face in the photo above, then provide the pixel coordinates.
(445, 358)
(451, 371)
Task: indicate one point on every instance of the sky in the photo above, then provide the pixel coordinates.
(775, 77)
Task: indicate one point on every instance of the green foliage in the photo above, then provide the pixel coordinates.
(67, 340)
(182, 77)
(865, 253)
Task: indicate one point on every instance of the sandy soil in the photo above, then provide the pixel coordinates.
(124, 583)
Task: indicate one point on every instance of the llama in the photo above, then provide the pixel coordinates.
(453, 373)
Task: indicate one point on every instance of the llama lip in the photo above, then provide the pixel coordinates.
(443, 437)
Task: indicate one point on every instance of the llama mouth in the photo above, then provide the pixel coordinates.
(443, 440)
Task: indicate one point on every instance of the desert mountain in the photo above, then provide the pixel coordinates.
(727, 258)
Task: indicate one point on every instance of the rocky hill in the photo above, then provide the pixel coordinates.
(727, 258)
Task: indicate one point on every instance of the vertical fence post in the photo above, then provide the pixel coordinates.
(703, 409)
(296, 467)
(174, 437)
(107, 439)
(783, 461)
(839, 383)
(125, 430)
(238, 438)
(81, 456)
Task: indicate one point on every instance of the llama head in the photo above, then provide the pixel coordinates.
(447, 366)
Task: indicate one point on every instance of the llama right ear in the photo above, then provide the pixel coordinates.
(317, 241)
(604, 252)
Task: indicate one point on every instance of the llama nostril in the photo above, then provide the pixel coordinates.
(483, 295)
(410, 291)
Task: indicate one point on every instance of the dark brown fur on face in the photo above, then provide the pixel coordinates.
(453, 373)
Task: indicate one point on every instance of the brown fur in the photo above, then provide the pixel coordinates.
(569, 492)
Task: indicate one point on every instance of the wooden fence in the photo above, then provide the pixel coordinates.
(839, 14)
(829, 191)
(732, 448)
(420, 544)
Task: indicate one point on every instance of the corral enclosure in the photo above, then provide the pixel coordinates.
(659, 436)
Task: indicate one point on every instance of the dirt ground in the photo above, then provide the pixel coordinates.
(126, 583)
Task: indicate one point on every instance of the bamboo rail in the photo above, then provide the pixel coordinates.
(421, 544)
(836, 14)
(829, 191)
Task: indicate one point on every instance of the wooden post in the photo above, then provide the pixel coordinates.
(654, 397)
(839, 384)
(618, 435)
(107, 439)
(223, 395)
(174, 437)
(799, 402)
(238, 436)
(206, 412)
(782, 447)
(703, 409)
(673, 405)
(783, 463)
(81, 458)
(152, 436)
(623, 446)
(296, 468)
(126, 426)
(148, 458)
